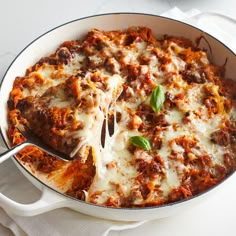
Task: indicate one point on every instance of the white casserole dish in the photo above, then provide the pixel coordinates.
(45, 44)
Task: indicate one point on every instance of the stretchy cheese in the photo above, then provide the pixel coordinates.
(93, 95)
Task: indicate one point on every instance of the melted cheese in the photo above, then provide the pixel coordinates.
(117, 174)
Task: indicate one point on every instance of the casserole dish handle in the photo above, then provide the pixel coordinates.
(48, 201)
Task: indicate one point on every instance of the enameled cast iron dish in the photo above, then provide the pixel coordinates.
(46, 44)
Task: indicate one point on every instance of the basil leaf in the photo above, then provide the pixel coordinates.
(141, 142)
(157, 98)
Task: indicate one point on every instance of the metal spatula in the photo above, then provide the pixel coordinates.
(31, 139)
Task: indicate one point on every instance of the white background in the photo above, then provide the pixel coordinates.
(21, 21)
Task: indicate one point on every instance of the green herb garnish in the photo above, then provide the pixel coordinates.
(141, 142)
(157, 98)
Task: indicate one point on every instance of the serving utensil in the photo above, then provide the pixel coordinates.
(32, 139)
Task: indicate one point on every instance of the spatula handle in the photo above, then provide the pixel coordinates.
(10, 152)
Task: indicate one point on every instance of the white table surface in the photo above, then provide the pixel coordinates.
(21, 21)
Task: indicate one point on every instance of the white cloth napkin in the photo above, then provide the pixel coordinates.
(64, 221)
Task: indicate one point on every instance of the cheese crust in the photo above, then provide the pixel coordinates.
(90, 97)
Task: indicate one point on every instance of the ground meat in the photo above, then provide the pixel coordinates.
(229, 162)
(149, 169)
(64, 55)
(159, 120)
(49, 60)
(191, 77)
(169, 101)
(144, 190)
(220, 137)
(112, 65)
(47, 165)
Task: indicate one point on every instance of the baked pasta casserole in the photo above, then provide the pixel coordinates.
(146, 120)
